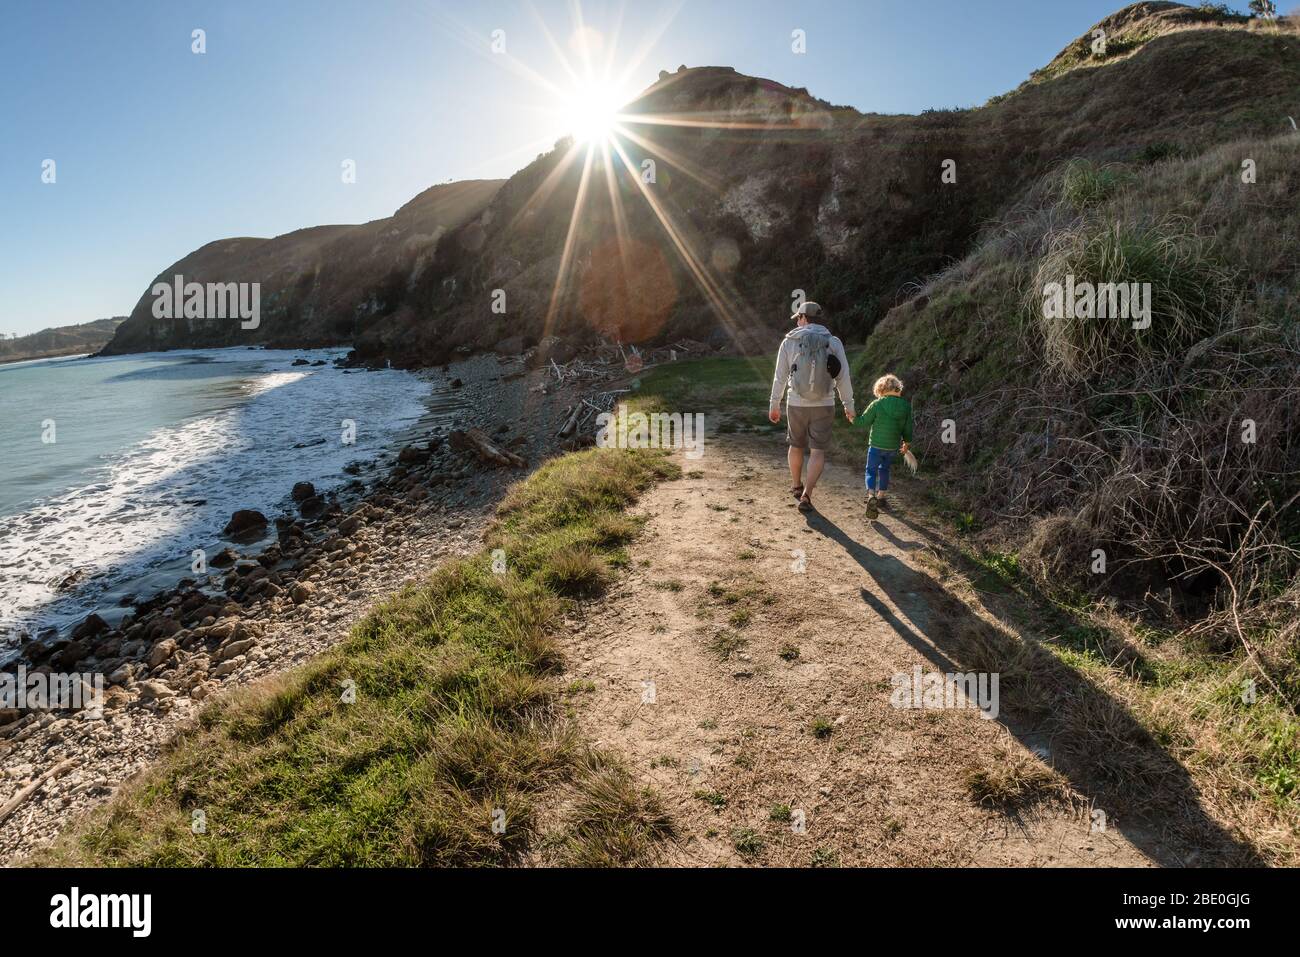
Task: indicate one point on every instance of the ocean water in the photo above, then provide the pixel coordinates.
(150, 455)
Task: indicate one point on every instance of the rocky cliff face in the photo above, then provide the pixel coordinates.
(755, 190)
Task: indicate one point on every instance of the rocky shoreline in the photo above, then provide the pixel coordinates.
(260, 613)
(333, 556)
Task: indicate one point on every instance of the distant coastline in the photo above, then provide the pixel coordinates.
(85, 338)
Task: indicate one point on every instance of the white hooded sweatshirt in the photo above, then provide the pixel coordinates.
(785, 356)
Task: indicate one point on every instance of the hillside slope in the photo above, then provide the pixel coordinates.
(768, 190)
(1174, 447)
(758, 189)
(319, 286)
(60, 340)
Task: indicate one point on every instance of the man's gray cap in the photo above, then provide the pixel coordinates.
(808, 309)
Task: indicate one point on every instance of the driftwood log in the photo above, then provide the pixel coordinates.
(477, 442)
(31, 788)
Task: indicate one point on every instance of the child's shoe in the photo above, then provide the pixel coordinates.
(873, 512)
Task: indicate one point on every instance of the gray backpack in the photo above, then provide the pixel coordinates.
(810, 377)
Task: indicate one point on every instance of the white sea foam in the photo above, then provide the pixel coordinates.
(150, 505)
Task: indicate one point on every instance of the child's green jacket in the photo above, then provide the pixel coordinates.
(890, 421)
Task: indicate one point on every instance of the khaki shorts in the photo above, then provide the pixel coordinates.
(809, 426)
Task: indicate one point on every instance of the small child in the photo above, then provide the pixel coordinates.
(890, 421)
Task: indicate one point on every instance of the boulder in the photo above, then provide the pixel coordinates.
(91, 626)
(222, 630)
(413, 455)
(154, 691)
(303, 491)
(246, 521)
(164, 627)
(228, 667)
(70, 654)
(233, 649)
(161, 652)
(120, 675)
(511, 346)
(312, 508)
(224, 558)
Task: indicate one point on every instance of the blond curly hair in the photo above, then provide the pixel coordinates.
(888, 384)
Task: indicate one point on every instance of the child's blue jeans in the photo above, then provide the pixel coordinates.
(878, 462)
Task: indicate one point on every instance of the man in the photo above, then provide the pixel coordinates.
(809, 361)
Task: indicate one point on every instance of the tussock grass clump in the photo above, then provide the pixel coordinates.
(1192, 294)
(1013, 781)
(614, 823)
(576, 571)
(727, 644)
(747, 842)
(1085, 183)
(431, 737)
(1059, 549)
(821, 728)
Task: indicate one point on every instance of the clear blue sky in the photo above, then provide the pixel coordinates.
(160, 150)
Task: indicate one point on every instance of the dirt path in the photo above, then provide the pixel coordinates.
(745, 654)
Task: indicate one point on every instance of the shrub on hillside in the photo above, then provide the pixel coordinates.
(1192, 294)
(1085, 183)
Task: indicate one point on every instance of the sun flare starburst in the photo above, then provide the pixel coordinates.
(620, 153)
(591, 113)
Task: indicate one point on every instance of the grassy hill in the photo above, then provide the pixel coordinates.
(60, 341)
(766, 189)
(1175, 449)
(773, 190)
(319, 286)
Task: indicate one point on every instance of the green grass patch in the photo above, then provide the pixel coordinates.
(747, 842)
(821, 728)
(712, 798)
(1085, 184)
(727, 644)
(731, 391)
(698, 385)
(452, 745)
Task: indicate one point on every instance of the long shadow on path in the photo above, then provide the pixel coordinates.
(1106, 754)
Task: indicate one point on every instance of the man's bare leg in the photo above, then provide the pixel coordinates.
(816, 462)
(795, 458)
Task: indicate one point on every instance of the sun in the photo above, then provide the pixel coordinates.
(590, 113)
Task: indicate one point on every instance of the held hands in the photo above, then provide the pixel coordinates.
(849, 415)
